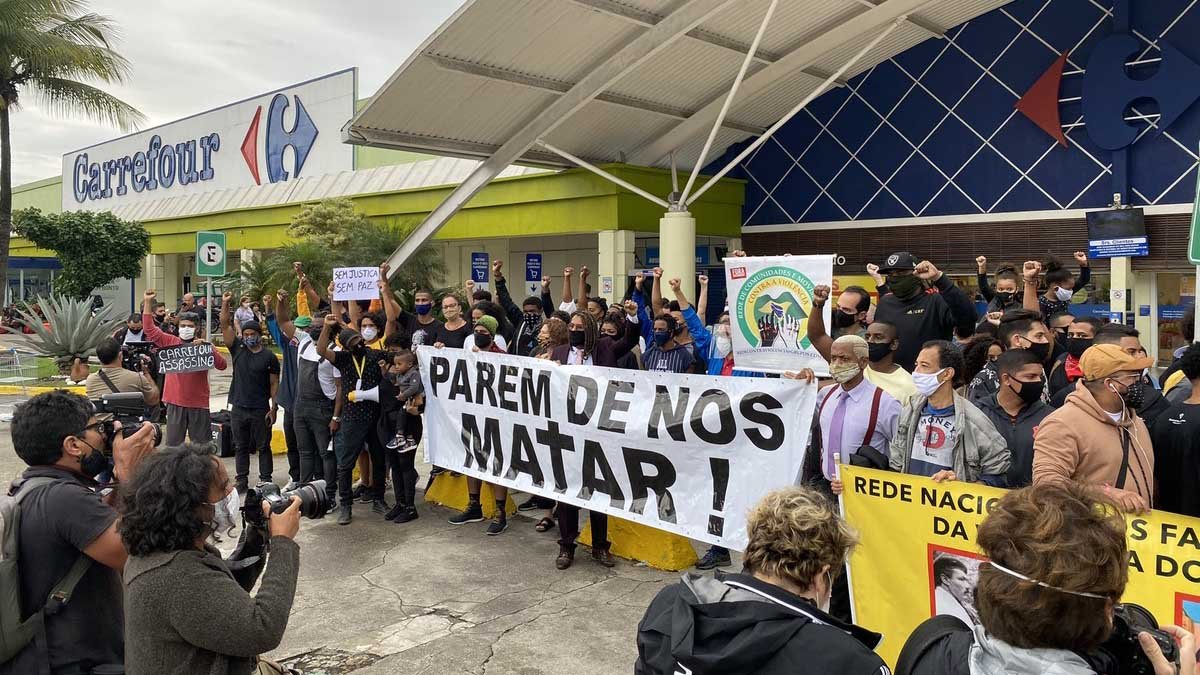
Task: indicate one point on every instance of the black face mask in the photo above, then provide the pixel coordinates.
(532, 320)
(878, 351)
(577, 337)
(483, 340)
(1039, 349)
(1005, 298)
(1028, 391)
(1077, 346)
(843, 320)
(906, 287)
(1135, 394)
(95, 462)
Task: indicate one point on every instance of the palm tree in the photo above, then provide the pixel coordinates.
(46, 48)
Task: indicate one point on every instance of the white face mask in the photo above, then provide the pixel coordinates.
(1064, 294)
(824, 605)
(724, 345)
(368, 333)
(927, 383)
(187, 332)
(225, 512)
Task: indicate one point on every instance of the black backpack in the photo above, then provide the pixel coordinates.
(939, 646)
(15, 633)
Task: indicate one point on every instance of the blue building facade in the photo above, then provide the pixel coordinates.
(991, 142)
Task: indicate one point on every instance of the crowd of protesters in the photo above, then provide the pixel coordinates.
(1026, 395)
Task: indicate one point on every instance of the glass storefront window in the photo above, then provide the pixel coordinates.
(1175, 293)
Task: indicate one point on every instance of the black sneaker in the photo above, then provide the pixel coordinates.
(530, 504)
(344, 515)
(379, 506)
(407, 515)
(395, 442)
(472, 514)
(358, 491)
(498, 525)
(393, 512)
(714, 558)
(366, 497)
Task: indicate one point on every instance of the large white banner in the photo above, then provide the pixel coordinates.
(271, 138)
(770, 300)
(686, 453)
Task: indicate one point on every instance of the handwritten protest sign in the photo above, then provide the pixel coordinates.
(186, 358)
(355, 283)
(689, 454)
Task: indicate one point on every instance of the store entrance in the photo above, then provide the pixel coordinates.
(1176, 291)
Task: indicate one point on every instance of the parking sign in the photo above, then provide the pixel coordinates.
(210, 254)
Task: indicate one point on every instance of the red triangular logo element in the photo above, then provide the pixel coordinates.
(250, 146)
(1040, 103)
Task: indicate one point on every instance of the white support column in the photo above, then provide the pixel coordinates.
(677, 248)
(1121, 270)
(617, 249)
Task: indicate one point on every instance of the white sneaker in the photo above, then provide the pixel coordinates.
(290, 486)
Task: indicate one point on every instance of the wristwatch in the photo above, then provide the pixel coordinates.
(336, 418)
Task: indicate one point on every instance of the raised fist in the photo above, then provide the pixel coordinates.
(981, 263)
(1031, 270)
(298, 268)
(384, 270)
(149, 294)
(820, 295)
(470, 285)
(631, 308)
(1081, 258)
(658, 272)
(496, 265)
(584, 272)
(873, 270)
(282, 294)
(330, 320)
(545, 283)
(226, 296)
(675, 283)
(738, 254)
(703, 279)
(568, 271)
(927, 271)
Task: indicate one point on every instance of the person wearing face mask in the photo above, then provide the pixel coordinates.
(882, 345)
(1006, 295)
(185, 394)
(852, 413)
(527, 318)
(1017, 409)
(1096, 437)
(773, 618)
(1081, 334)
(67, 526)
(941, 434)
(252, 395)
(919, 315)
(849, 316)
(361, 374)
(1019, 329)
(455, 332)
(1061, 284)
(187, 609)
(1148, 402)
(664, 354)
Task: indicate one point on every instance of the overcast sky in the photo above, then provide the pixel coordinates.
(187, 57)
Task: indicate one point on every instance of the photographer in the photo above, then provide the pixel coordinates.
(185, 610)
(114, 378)
(66, 527)
(774, 617)
(1042, 609)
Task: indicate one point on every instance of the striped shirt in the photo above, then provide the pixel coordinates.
(676, 360)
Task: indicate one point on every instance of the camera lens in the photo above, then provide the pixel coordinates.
(313, 502)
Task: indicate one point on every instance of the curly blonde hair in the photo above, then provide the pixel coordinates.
(794, 533)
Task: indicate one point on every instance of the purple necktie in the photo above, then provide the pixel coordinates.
(835, 433)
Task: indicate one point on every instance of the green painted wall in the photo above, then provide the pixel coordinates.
(567, 202)
(43, 194)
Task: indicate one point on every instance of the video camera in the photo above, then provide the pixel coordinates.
(134, 353)
(313, 502)
(1122, 653)
(128, 409)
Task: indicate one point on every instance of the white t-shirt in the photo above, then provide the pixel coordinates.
(933, 444)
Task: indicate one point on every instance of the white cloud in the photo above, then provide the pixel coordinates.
(186, 57)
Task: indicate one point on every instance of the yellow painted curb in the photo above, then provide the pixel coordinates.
(451, 492)
(34, 390)
(657, 548)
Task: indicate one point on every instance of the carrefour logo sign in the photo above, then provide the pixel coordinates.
(158, 166)
(162, 166)
(202, 154)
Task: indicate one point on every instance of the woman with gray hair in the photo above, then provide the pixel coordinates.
(772, 618)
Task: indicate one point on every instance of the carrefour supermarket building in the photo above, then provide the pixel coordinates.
(959, 128)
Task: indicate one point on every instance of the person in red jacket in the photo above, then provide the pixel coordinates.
(185, 394)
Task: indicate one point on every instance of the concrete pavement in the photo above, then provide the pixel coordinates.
(377, 598)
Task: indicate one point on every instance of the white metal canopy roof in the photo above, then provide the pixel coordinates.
(571, 73)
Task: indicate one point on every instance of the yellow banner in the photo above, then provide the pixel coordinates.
(909, 523)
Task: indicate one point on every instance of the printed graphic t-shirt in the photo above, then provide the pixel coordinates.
(933, 444)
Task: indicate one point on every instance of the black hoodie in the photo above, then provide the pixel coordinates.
(731, 624)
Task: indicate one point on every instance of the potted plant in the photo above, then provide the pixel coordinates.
(70, 330)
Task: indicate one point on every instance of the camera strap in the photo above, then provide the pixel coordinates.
(107, 382)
